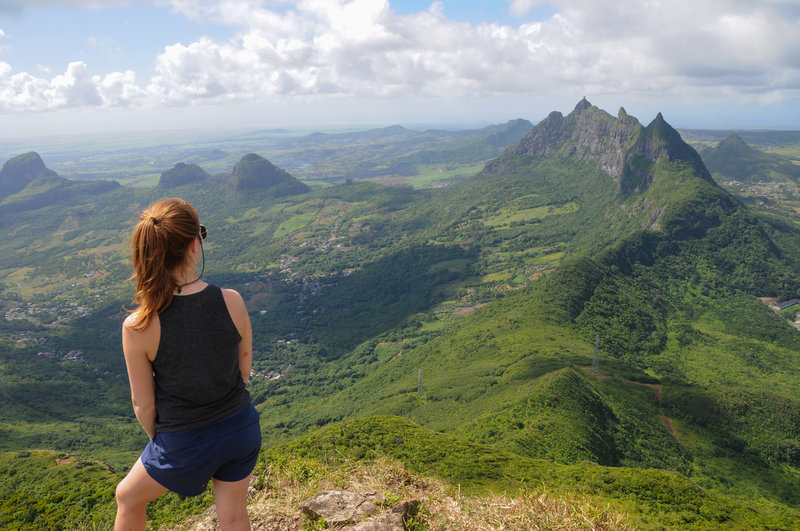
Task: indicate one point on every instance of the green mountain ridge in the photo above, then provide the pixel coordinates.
(468, 314)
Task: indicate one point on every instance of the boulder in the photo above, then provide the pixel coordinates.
(341, 507)
(350, 511)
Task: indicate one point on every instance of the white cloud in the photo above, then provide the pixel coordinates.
(365, 49)
(24, 92)
(119, 89)
(73, 88)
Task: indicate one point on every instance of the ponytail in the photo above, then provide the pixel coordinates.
(159, 244)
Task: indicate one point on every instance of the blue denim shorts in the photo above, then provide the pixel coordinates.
(185, 461)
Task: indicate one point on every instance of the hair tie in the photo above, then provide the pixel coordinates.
(155, 221)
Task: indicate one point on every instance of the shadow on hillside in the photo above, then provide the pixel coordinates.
(337, 313)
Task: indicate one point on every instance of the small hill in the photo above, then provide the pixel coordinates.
(22, 170)
(734, 159)
(255, 173)
(181, 174)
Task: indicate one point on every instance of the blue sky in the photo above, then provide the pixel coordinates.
(74, 66)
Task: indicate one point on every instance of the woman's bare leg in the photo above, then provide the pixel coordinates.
(231, 500)
(133, 494)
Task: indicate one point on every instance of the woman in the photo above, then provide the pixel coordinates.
(188, 349)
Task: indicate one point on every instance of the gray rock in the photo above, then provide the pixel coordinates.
(341, 507)
(394, 520)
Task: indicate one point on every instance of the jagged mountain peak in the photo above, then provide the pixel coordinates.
(661, 142)
(622, 147)
(582, 105)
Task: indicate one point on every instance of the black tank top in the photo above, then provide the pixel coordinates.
(196, 370)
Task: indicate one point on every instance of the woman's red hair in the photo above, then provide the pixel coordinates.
(160, 243)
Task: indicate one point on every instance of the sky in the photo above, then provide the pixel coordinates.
(88, 66)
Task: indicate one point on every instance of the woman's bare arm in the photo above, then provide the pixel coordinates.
(139, 347)
(241, 319)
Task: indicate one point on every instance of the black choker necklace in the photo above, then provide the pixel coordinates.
(180, 286)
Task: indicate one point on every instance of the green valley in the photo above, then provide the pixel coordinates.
(574, 306)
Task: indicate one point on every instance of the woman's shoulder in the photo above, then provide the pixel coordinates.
(134, 318)
(232, 296)
(132, 321)
(146, 337)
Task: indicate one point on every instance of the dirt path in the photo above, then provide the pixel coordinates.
(654, 387)
(667, 420)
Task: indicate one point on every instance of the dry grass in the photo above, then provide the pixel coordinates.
(528, 511)
(281, 487)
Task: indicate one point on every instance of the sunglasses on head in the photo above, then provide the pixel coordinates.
(203, 231)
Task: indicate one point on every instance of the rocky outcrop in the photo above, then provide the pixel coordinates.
(350, 511)
(659, 142)
(621, 146)
(338, 507)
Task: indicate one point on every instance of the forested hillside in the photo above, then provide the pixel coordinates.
(584, 312)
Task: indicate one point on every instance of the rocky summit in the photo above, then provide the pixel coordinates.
(621, 146)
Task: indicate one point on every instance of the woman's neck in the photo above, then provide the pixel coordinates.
(187, 278)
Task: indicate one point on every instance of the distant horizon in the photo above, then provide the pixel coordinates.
(71, 67)
(453, 125)
(164, 133)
